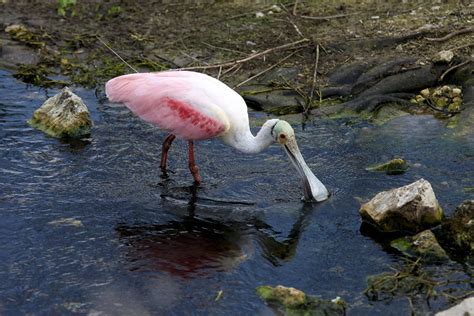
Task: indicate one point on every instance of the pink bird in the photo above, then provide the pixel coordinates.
(195, 106)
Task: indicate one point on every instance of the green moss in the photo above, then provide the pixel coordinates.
(392, 167)
(65, 6)
(295, 302)
(422, 245)
(37, 75)
(289, 297)
(55, 128)
(63, 116)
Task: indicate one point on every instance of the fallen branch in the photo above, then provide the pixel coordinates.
(315, 74)
(452, 68)
(462, 46)
(329, 17)
(267, 69)
(445, 112)
(116, 54)
(295, 5)
(450, 35)
(224, 48)
(250, 57)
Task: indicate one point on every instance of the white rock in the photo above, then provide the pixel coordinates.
(259, 14)
(413, 208)
(444, 56)
(275, 8)
(456, 92)
(466, 307)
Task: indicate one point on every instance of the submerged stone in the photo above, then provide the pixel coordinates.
(64, 116)
(392, 167)
(296, 302)
(288, 296)
(411, 208)
(422, 245)
(447, 100)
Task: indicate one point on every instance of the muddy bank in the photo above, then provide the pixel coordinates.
(233, 41)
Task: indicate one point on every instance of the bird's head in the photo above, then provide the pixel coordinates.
(313, 189)
(283, 132)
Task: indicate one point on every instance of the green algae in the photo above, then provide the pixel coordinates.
(422, 245)
(63, 116)
(392, 167)
(297, 303)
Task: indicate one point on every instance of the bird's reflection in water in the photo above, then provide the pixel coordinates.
(193, 246)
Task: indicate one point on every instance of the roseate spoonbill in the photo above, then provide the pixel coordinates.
(195, 106)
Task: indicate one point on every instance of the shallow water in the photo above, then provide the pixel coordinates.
(92, 227)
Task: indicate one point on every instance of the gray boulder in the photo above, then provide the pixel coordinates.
(412, 208)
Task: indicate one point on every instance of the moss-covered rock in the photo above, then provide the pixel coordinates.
(63, 116)
(443, 101)
(457, 232)
(296, 302)
(422, 245)
(392, 167)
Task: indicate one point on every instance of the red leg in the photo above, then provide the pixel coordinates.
(164, 152)
(192, 163)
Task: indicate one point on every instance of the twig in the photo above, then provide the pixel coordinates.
(294, 7)
(219, 73)
(115, 53)
(193, 58)
(290, 19)
(462, 46)
(450, 35)
(236, 69)
(267, 69)
(229, 70)
(301, 93)
(430, 105)
(329, 17)
(250, 57)
(452, 68)
(223, 48)
(315, 74)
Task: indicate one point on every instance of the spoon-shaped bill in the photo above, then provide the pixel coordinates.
(313, 189)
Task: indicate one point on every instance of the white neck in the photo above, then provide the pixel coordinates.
(244, 141)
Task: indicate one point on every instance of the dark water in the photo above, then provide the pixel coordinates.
(92, 227)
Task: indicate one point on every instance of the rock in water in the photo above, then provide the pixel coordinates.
(392, 167)
(411, 208)
(296, 302)
(457, 232)
(422, 245)
(64, 116)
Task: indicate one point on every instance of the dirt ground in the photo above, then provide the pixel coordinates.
(49, 44)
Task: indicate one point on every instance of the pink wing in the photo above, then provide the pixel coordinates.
(180, 102)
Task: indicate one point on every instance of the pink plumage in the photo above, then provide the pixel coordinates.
(180, 102)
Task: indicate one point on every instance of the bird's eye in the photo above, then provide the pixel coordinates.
(282, 137)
